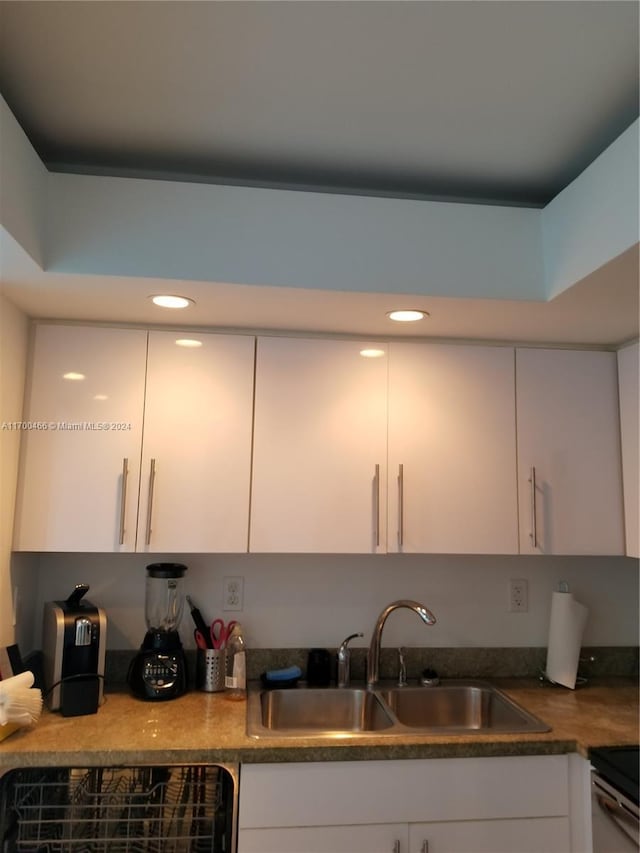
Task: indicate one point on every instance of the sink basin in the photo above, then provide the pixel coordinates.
(321, 711)
(452, 707)
(472, 706)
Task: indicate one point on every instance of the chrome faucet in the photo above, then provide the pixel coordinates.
(402, 667)
(373, 658)
(344, 661)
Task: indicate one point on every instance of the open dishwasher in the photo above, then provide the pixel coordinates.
(150, 809)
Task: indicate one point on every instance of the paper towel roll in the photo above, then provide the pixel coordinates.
(566, 626)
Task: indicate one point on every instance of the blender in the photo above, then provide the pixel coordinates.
(159, 670)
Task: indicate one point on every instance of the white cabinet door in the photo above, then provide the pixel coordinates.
(569, 469)
(194, 493)
(531, 835)
(320, 446)
(516, 804)
(380, 838)
(390, 792)
(528, 835)
(452, 450)
(628, 371)
(78, 486)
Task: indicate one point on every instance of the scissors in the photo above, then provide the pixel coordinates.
(220, 632)
(201, 640)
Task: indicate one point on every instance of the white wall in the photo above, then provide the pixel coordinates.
(14, 336)
(23, 178)
(595, 218)
(251, 235)
(303, 601)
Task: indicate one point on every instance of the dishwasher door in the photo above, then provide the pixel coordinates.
(615, 821)
(147, 809)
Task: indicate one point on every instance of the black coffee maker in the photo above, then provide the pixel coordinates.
(74, 643)
(159, 670)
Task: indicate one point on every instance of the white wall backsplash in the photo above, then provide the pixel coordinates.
(293, 601)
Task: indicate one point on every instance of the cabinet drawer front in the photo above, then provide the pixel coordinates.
(409, 791)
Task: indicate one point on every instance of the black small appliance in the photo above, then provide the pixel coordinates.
(159, 670)
(318, 668)
(74, 641)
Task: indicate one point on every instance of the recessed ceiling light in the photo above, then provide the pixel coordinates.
(407, 315)
(100, 397)
(73, 377)
(171, 301)
(372, 352)
(188, 342)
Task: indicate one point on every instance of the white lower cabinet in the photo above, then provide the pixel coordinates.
(520, 835)
(519, 804)
(381, 838)
(472, 836)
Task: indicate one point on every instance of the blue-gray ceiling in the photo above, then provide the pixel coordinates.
(490, 101)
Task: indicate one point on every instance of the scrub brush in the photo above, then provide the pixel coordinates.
(20, 702)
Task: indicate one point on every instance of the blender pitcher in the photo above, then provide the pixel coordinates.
(159, 670)
(164, 598)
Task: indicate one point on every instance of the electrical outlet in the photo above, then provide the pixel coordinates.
(233, 594)
(518, 595)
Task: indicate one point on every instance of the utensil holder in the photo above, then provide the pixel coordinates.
(210, 670)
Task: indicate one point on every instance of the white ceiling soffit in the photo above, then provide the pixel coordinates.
(601, 310)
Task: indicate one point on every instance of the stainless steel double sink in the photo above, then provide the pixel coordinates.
(453, 707)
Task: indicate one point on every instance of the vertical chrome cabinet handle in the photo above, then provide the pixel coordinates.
(396, 846)
(425, 847)
(534, 520)
(400, 505)
(152, 484)
(376, 493)
(123, 497)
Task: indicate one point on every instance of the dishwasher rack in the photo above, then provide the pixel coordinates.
(151, 809)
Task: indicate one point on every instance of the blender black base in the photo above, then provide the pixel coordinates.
(159, 671)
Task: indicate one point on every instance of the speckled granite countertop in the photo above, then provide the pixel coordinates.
(202, 727)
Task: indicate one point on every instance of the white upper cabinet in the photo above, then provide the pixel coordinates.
(78, 488)
(320, 447)
(628, 378)
(134, 442)
(569, 470)
(81, 487)
(196, 452)
(452, 450)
